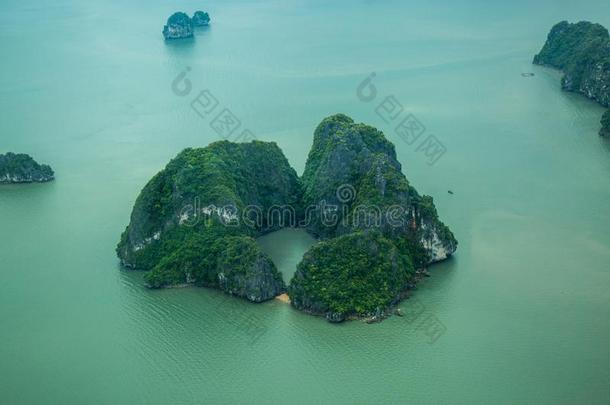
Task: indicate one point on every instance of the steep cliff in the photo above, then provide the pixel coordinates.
(582, 52)
(187, 223)
(354, 180)
(377, 224)
(21, 168)
(196, 220)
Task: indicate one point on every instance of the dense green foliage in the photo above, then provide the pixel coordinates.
(355, 274)
(354, 167)
(361, 268)
(21, 168)
(187, 255)
(569, 44)
(582, 51)
(179, 18)
(192, 246)
(223, 174)
(215, 259)
(358, 158)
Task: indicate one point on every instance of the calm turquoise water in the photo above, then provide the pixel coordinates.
(86, 87)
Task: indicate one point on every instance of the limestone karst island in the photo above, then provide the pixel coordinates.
(367, 258)
(179, 25)
(582, 51)
(21, 168)
(267, 202)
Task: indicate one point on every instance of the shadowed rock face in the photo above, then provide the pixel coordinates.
(188, 225)
(201, 19)
(179, 25)
(21, 168)
(582, 52)
(605, 131)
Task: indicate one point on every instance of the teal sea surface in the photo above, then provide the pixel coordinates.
(521, 311)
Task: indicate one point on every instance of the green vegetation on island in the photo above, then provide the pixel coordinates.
(582, 52)
(201, 19)
(179, 25)
(184, 221)
(359, 274)
(353, 167)
(21, 168)
(191, 223)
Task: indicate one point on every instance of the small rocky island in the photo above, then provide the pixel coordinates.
(196, 221)
(201, 19)
(21, 168)
(179, 25)
(582, 52)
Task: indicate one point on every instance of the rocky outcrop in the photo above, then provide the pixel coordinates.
(582, 52)
(196, 220)
(178, 26)
(357, 275)
(201, 19)
(244, 271)
(378, 229)
(21, 168)
(605, 130)
(186, 225)
(353, 176)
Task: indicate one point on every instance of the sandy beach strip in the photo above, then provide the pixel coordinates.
(284, 298)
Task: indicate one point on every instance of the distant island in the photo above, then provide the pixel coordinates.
(180, 25)
(582, 52)
(201, 19)
(196, 221)
(21, 168)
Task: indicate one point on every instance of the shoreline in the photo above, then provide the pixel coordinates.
(283, 298)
